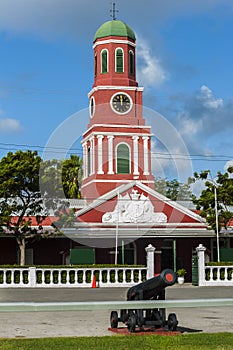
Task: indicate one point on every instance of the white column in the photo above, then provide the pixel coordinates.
(135, 154)
(84, 160)
(201, 264)
(145, 149)
(32, 276)
(100, 154)
(150, 251)
(110, 154)
(92, 155)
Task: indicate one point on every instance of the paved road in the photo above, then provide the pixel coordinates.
(96, 323)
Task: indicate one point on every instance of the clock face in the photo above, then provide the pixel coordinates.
(121, 103)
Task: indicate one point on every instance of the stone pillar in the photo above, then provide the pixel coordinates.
(92, 155)
(100, 154)
(201, 264)
(110, 154)
(84, 160)
(146, 160)
(32, 276)
(135, 155)
(150, 251)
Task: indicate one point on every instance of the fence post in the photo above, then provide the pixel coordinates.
(201, 264)
(32, 276)
(150, 250)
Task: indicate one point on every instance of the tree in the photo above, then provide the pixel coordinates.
(72, 176)
(20, 198)
(206, 202)
(173, 189)
(61, 178)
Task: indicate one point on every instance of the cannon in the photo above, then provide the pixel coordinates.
(151, 289)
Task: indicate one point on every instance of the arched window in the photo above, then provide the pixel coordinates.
(119, 61)
(104, 61)
(123, 159)
(131, 62)
(95, 66)
(88, 161)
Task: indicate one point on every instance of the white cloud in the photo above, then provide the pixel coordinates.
(9, 125)
(203, 114)
(228, 164)
(204, 121)
(189, 126)
(197, 187)
(206, 96)
(150, 71)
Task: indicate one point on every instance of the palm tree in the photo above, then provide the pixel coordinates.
(72, 176)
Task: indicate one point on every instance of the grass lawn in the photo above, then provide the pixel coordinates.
(217, 341)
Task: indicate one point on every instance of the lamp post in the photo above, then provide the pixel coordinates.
(216, 215)
(216, 218)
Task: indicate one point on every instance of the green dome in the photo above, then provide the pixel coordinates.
(114, 28)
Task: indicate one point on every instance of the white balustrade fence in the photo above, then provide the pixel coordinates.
(212, 275)
(219, 275)
(71, 277)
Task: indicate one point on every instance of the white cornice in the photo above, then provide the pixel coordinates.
(121, 182)
(136, 232)
(115, 87)
(116, 127)
(106, 133)
(114, 41)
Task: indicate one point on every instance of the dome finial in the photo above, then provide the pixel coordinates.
(113, 10)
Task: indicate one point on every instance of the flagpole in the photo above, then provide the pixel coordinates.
(117, 228)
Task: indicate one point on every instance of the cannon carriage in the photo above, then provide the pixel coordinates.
(151, 289)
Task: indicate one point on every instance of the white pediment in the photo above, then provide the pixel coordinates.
(134, 208)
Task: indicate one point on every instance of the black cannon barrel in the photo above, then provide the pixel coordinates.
(152, 287)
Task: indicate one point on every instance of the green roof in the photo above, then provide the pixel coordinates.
(114, 28)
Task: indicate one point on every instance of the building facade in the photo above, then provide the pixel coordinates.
(123, 208)
(121, 212)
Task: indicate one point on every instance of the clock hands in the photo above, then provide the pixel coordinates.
(121, 100)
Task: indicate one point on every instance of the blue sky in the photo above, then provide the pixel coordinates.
(184, 61)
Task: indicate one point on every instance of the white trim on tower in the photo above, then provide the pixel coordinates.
(114, 87)
(115, 41)
(145, 151)
(92, 155)
(100, 154)
(135, 155)
(110, 154)
(84, 160)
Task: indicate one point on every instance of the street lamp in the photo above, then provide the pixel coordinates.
(216, 215)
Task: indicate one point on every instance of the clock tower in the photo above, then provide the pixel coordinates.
(117, 143)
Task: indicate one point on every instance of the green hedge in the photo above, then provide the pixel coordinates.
(220, 263)
(83, 266)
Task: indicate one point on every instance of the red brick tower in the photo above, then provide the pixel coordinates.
(117, 144)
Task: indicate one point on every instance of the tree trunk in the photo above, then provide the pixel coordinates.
(22, 244)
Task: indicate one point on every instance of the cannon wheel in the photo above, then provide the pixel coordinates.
(131, 323)
(172, 322)
(114, 319)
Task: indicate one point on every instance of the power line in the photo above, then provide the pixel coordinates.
(159, 155)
